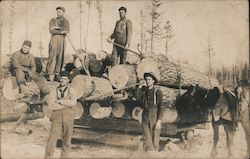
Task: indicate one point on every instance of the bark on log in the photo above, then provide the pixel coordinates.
(169, 71)
(44, 86)
(91, 86)
(122, 75)
(12, 112)
(170, 95)
(118, 109)
(106, 137)
(16, 116)
(96, 111)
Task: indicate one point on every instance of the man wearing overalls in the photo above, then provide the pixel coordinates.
(152, 100)
(62, 117)
(122, 35)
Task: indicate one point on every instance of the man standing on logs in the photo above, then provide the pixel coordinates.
(122, 35)
(58, 27)
(62, 100)
(152, 100)
(24, 65)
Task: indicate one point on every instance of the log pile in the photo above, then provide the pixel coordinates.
(170, 70)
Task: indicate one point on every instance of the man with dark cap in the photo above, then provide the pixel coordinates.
(58, 27)
(62, 102)
(151, 99)
(122, 35)
(24, 64)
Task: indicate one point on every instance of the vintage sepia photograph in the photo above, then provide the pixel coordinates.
(124, 79)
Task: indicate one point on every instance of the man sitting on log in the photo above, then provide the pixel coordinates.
(24, 65)
(61, 101)
(152, 100)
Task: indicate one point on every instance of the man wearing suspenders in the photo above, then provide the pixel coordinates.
(153, 107)
(63, 99)
(122, 35)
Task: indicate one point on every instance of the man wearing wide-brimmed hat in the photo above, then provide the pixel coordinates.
(58, 28)
(152, 100)
(24, 64)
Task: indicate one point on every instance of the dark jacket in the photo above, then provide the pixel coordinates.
(22, 61)
(148, 101)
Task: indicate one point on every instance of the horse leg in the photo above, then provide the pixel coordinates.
(215, 126)
(229, 129)
(245, 122)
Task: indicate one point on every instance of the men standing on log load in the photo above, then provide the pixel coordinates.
(122, 35)
(61, 101)
(24, 65)
(58, 27)
(153, 107)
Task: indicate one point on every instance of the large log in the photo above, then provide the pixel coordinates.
(96, 111)
(170, 95)
(170, 70)
(122, 75)
(170, 115)
(44, 86)
(12, 111)
(118, 109)
(10, 88)
(91, 86)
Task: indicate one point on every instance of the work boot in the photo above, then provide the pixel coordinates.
(57, 78)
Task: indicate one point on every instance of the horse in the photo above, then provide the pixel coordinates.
(221, 104)
(242, 93)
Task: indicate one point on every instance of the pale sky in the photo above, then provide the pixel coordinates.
(225, 21)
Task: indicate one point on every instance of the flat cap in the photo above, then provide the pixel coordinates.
(123, 8)
(64, 74)
(61, 7)
(27, 43)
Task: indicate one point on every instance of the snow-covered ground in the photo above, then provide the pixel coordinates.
(30, 139)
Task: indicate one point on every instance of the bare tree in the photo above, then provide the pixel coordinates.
(209, 50)
(168, 36)
(80, 22)
(12, 12)
(87, 31)
(99, 8)
(155, 26)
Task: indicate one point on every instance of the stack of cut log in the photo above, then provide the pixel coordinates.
(171, 74)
